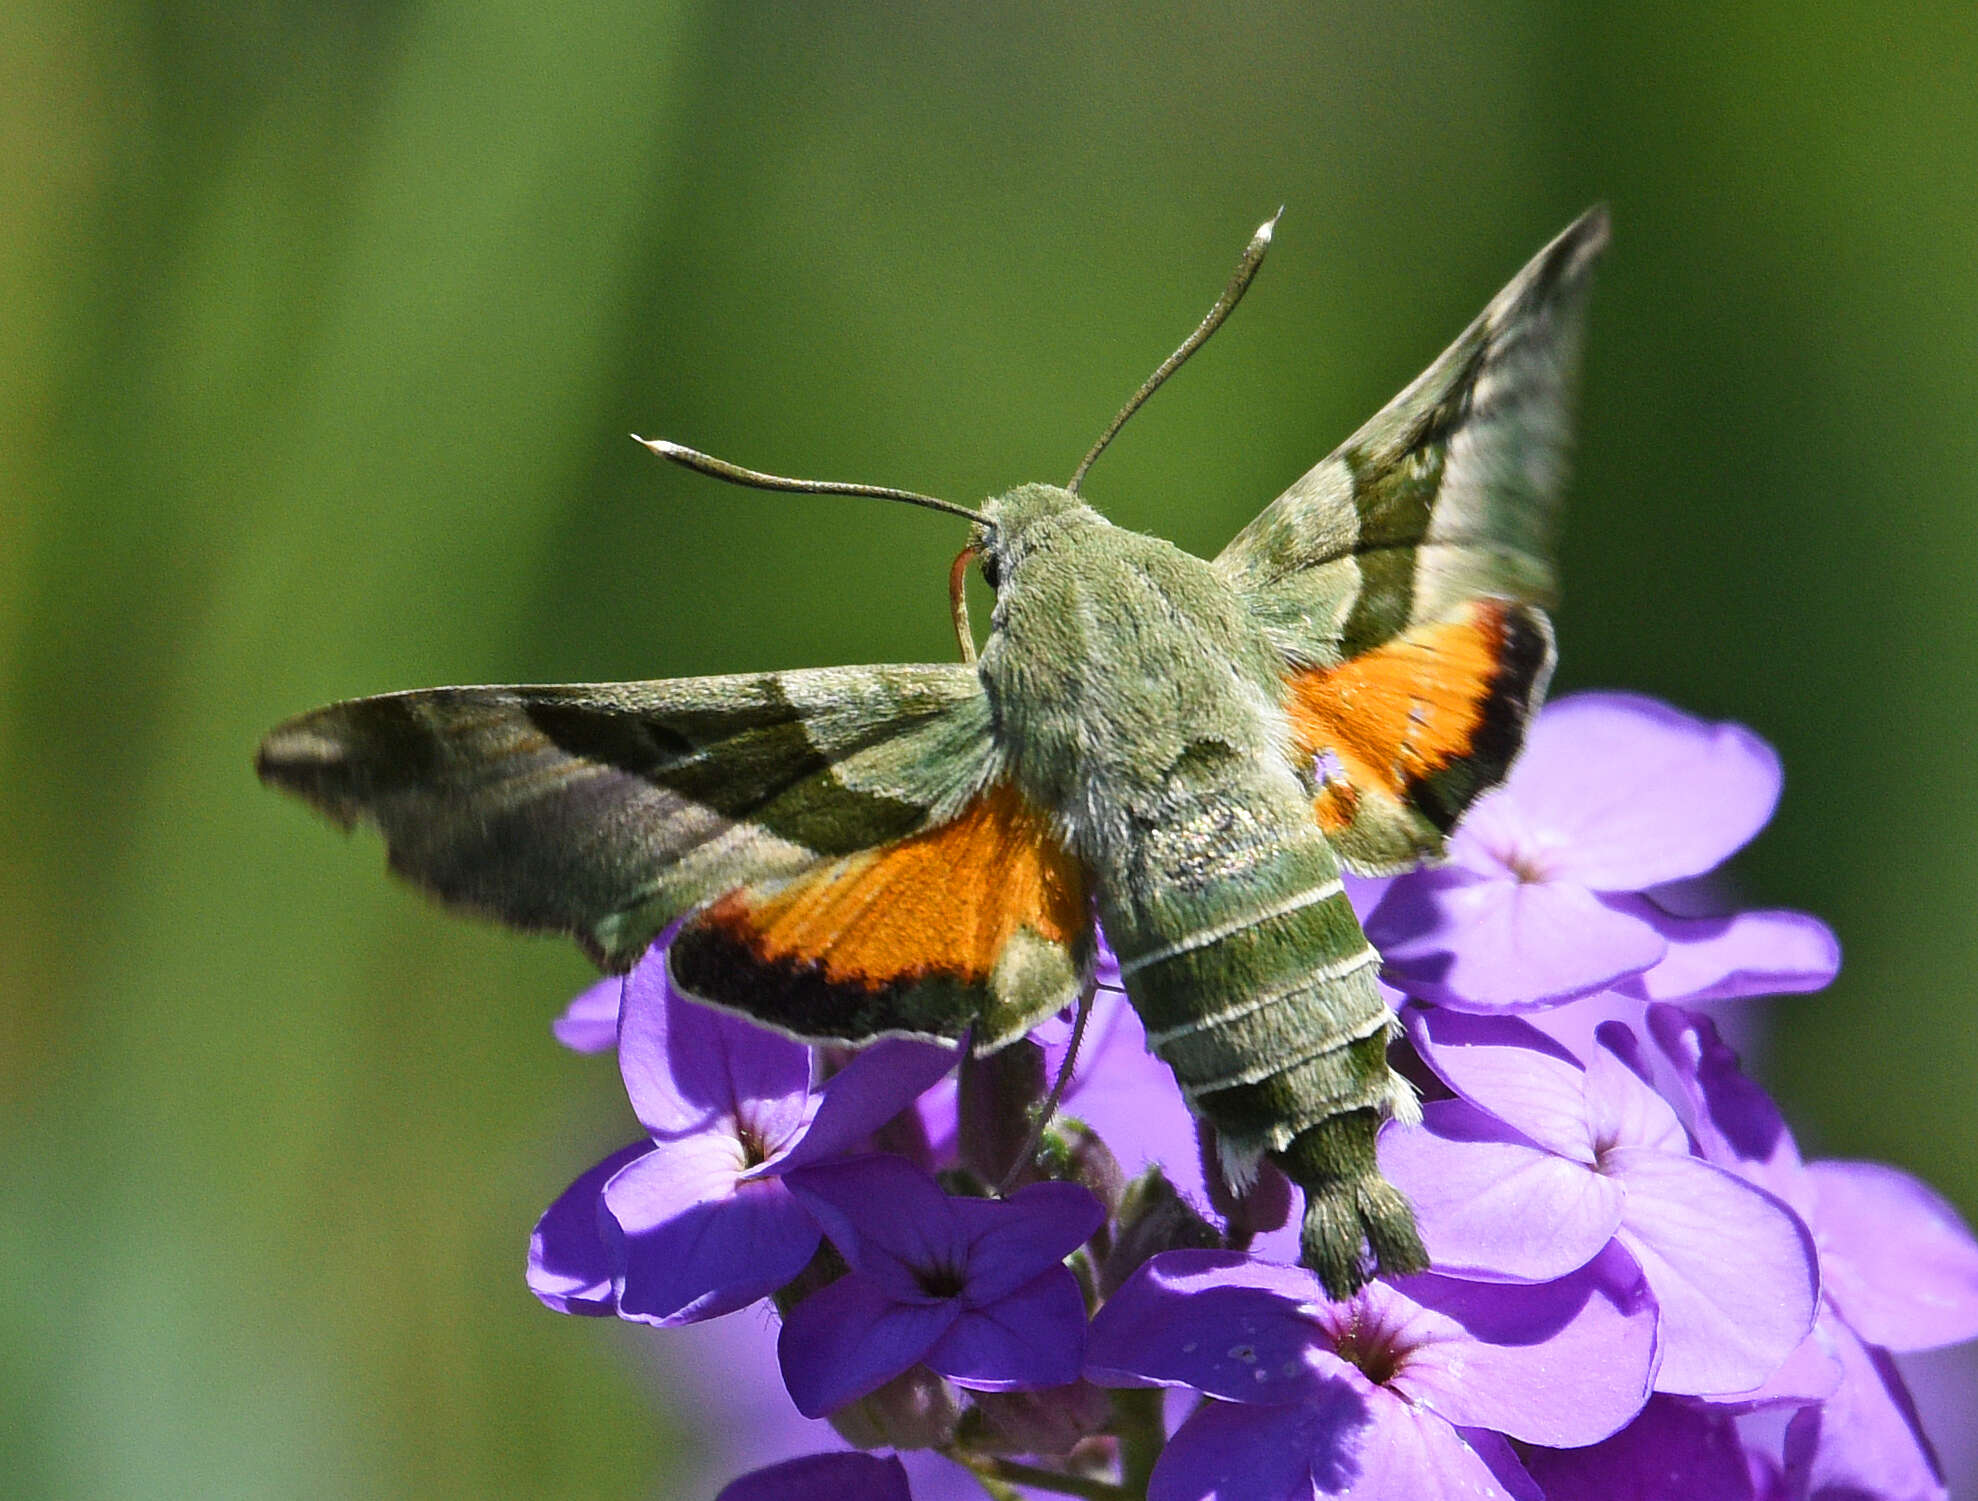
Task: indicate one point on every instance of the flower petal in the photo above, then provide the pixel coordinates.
(1671, 1450)
(824, 1477)
(570, 1265)
(1624, 792)
(1216, 1321)
(1408, 1453)
(687, 1068)
(1899, 1262)
(889, 1220)
(1772, 952)
(1864, 1441)
(1732, 1269)
(1011, 1240)
(1565, 1363)
(1031, 1337)
(693, 1242)
(589, 1024)
(1449, 936)
(1232, 1452)
(1622, 1108)
(875, 1086)
(1509, 1068)
(850, 1338)
(1735, 1122)
(1808, 1375)
(1492, 1204)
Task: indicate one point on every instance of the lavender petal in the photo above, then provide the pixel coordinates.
(866, 1093)
(1564, 1363)
(570, 1265)
(1034, 1336)
(693, 1242)
(1672, 1450)
(1864, 1441)
(1011, 1240)
(1456, 939)
(1490, 1203)
(850, 1338)
(1899, 1261)
(889, 1220)
(688, 1068)
(1622, 1108)
(1623, 792)
(1736, 1123)
(824, 1477)
(589, 1024)
(1216, 1321)
(1732, 1269)
(1772, 952)
(1228, 1452)
(1509, 1068)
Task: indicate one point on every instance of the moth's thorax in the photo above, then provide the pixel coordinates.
(1112, 658)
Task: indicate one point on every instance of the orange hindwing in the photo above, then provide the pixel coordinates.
(913, 936)
(1405, 736)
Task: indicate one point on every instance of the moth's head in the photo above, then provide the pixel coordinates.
(1013, 522)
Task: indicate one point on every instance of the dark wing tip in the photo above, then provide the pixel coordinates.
(304, 758)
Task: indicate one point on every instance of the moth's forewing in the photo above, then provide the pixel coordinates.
(605, 811)
(1384, 555)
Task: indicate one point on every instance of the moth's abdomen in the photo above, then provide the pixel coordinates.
(1244, 959)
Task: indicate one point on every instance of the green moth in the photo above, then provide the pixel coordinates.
(1189, 752)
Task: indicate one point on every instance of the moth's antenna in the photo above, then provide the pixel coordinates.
(735, 474)
(1239, 283)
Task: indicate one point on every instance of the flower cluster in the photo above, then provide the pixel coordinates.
(1638, 1287)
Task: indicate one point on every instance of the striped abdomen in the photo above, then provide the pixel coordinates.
(1245, 961)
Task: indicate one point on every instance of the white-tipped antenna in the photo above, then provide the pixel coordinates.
(735, 474)
(1239, 283)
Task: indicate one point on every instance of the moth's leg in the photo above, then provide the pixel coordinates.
(1049, 1108)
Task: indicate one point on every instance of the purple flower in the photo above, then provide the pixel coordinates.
(696, 1221)
(1543, 1161)
(1673, 1451)
(589, 1024)
(1406, 1390)
(1614, 795)
(1899, 1271)
(824, 1477)
(724, 1387)
(976, 1289)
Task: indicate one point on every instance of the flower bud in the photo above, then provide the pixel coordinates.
(1073, 1153)
(1265, 1204)
(915, 1410)
(1153, 1217)
(1048, 1421)
(997, 1097)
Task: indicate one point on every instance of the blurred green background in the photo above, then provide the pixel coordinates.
(321, 329)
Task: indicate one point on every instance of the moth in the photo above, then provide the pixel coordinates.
(1187, 752)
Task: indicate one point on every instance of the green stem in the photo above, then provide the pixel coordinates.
(1143, 1433)
(1000, 1477)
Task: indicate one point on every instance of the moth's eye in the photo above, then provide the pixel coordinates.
(992, 571)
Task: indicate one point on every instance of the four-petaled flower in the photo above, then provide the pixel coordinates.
(1399, 1393)
(976, 1289)
(1542, 1162)
(696, 1220)
(1550, 889)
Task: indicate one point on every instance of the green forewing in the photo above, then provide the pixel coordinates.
(607, 810)
(1448, 494)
